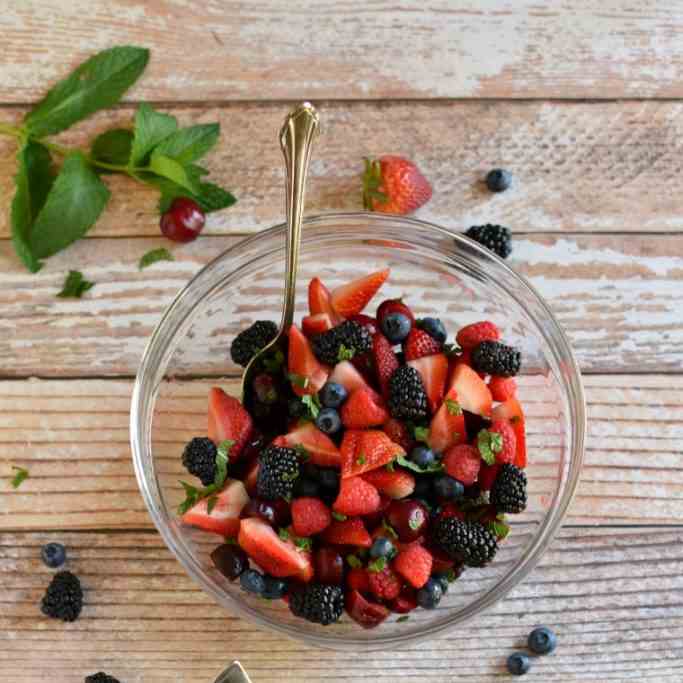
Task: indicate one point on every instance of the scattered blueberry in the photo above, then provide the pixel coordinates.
(542, 640)
(252, 582)
(396, 327)
(518, 664)
(328, 478)
(443, 582)
(274, 588)
(422, 456)
(498, 180)
(448, 488)
(306, 487)
(382, 547)
(429, 596)
(53, 554)
(332, 395)
(328, 421)
(434, 328)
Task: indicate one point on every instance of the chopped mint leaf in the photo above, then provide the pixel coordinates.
(353, 562)
(377, 565)
(390, 466)
(298, 380)
(303, 543)
(20, 476)
(312, 402)
(410, 465)
(500, 529)
(338, 516)
(192, 495)
(153, 256)
(75, 285)
(389, 529)
(345, 353)
(283, 534)
(453, 407)
(360, 460)
(273, 362)
(400, 620)
(489, 443)
(211, 504)
(421, 433)
(222, 454)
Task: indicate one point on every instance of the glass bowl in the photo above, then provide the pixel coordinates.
(439, 273)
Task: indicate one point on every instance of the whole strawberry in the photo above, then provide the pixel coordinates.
(393, 184)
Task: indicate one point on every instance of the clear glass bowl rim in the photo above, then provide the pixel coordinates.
(315, 227)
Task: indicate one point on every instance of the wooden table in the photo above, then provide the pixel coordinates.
(582, 103)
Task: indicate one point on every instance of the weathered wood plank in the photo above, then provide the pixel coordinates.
(377, 49)
(619, 300)
(73, 438)
(578, 166)
(611, 595)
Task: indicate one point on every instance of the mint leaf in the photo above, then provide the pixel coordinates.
(283, 534)
(112, 147)
(360, 460)
(410, 465)
(98, 83)
(377, 565)
(75, 285)
(303, 543)
(312, 402)
(19, 477)
(33, 180)
(353, 562)
(489, 443)
(453, 407)
(153, 256)
(192, 495)
(151, 127)
(421, 434)
(344, 353)
(403, 618)
(210, 197)
(190, 144)
(338, 516)
(74, 203)
(222, 454)
(298, 380)
(500, 529)
(172, 170)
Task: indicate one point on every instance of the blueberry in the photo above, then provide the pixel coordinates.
(328, 421)
(448, 488)
(542, 640)
(498, 180)
(328, 478)
(252, 582)
(53, 554)
(382, 547)
(518, 663)
(332, 395)
(306, 487)
(434, 328)
(396, 327)
(443, 582)
(429, 596)
(274, 588)
(422, 456)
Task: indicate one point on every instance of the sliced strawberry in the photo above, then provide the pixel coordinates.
(302, 363)
(502, 388)
(224, 518)
(362, 451)
(274, 555)
(473, 394)
(399, 434)
(319, 446)
(414, 564)
(313, 325)
(418, 344)
(384, 584)
(319, 301)
(471, 335)
(447, 427)
(509, 448)
(309, 516)
(345, 373)
(393, 306)
(347, 532)
(356, 497)
(462, 462)
(353, 297)
(405, 602)
(397, 484)
(487, 475)
(251, 477)
(363, 408)
(464, 358)
(433, 370)
(512, 410)
(358, 580)
(228, 420)
(367, 614)
(385, 361)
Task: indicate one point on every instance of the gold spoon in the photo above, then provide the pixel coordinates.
(296, 140)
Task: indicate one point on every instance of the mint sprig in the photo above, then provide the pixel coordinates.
(153, 256)
(75, 285)
(489, 443)
(410, 465)
(20, 476)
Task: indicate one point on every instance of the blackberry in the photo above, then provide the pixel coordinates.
(101, 677)
(199, 458)
(353, 337)
(317, 603)
(407, 397)
(278, 470)
(494, 237)
(508, 492)
(250, 341)
(469, 542)
(63, 598)
(495, 358)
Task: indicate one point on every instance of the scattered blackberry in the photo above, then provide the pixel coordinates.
(199, 458)
(494, 237)
(508, 492)
(498, 180)
(407, 397)
(495, 358)
(101, 677)
(317, 603)
(354, 337)
(250, 341)
(469, 542)
(63, 598)
(278, 470)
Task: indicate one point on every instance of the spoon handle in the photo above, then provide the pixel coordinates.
(296, 139)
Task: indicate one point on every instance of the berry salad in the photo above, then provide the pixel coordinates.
(373, 463)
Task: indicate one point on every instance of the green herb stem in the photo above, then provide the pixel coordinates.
(118, 168)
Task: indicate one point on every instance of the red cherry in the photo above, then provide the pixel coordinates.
(329, 566)
(183, 221)
(273, 512)
(409, 518)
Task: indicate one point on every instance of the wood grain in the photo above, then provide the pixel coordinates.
(593, 167)
(73, 438)
(228, 51)
(611, 595)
